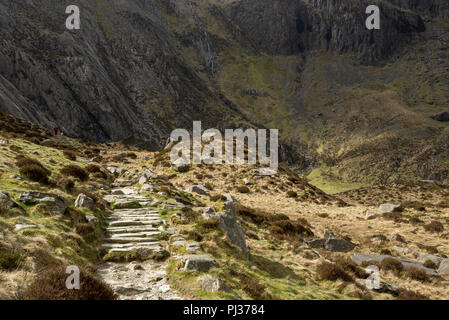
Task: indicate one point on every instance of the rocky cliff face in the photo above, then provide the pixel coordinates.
(119, 77)
(292, 27)
(139, 68)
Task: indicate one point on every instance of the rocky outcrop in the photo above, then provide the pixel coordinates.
(54, 202)
(291, 27)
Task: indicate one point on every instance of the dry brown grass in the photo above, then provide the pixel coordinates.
(332, 272)
(50, 285)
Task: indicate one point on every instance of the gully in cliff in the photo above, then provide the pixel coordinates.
(207, 147)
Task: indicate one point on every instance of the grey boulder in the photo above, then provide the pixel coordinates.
(390, 207)
(53, 201)
(83, 201)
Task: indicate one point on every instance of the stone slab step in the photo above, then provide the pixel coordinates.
(155, 248)
(124, 223)
(131, 229)
(135, 211)
(130, 245)
(135, 234)
(129, 239)
(130, 215)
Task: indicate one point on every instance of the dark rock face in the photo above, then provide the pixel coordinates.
(290, 27)
(138, 69)
(117, 78)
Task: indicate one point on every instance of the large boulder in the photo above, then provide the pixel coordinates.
(360, 258)
(53, 201)
(198, 262)
(390, 207)
(83, 201)
(234, 232)
(199, 189)
(213, 284)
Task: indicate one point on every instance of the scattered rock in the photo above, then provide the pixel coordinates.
(264, 172)
(402, 250)
(199, 189)
(316, 243)
(83, 201)
(16, 177)
(122, 183)
(382, 287)
(112, 169)
(181, 165)
(24, 226)
(5, 201)
(331, 244)
(370, 215)
(92, 220)
(124, 191)
(4, 141)
(378, 238)
(247, 182)
(229, 198)
(212, 284)
(389, 208)
(150, 174)
(194, 246)
(148, 188)
(54, 202)
(198, 262)
(142, 180)
(397, 237)
(360, 258)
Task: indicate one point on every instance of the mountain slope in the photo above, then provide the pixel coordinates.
(342, 96)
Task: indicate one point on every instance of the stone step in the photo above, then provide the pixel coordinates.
(118, 230)
(135, 234)
(125, 223)
(148, 244)
(117, 216)
(155, 248)
(129, 239)
(135, 211)
(113, 222)
(139, 218)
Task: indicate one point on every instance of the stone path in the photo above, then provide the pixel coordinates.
(133, 229)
